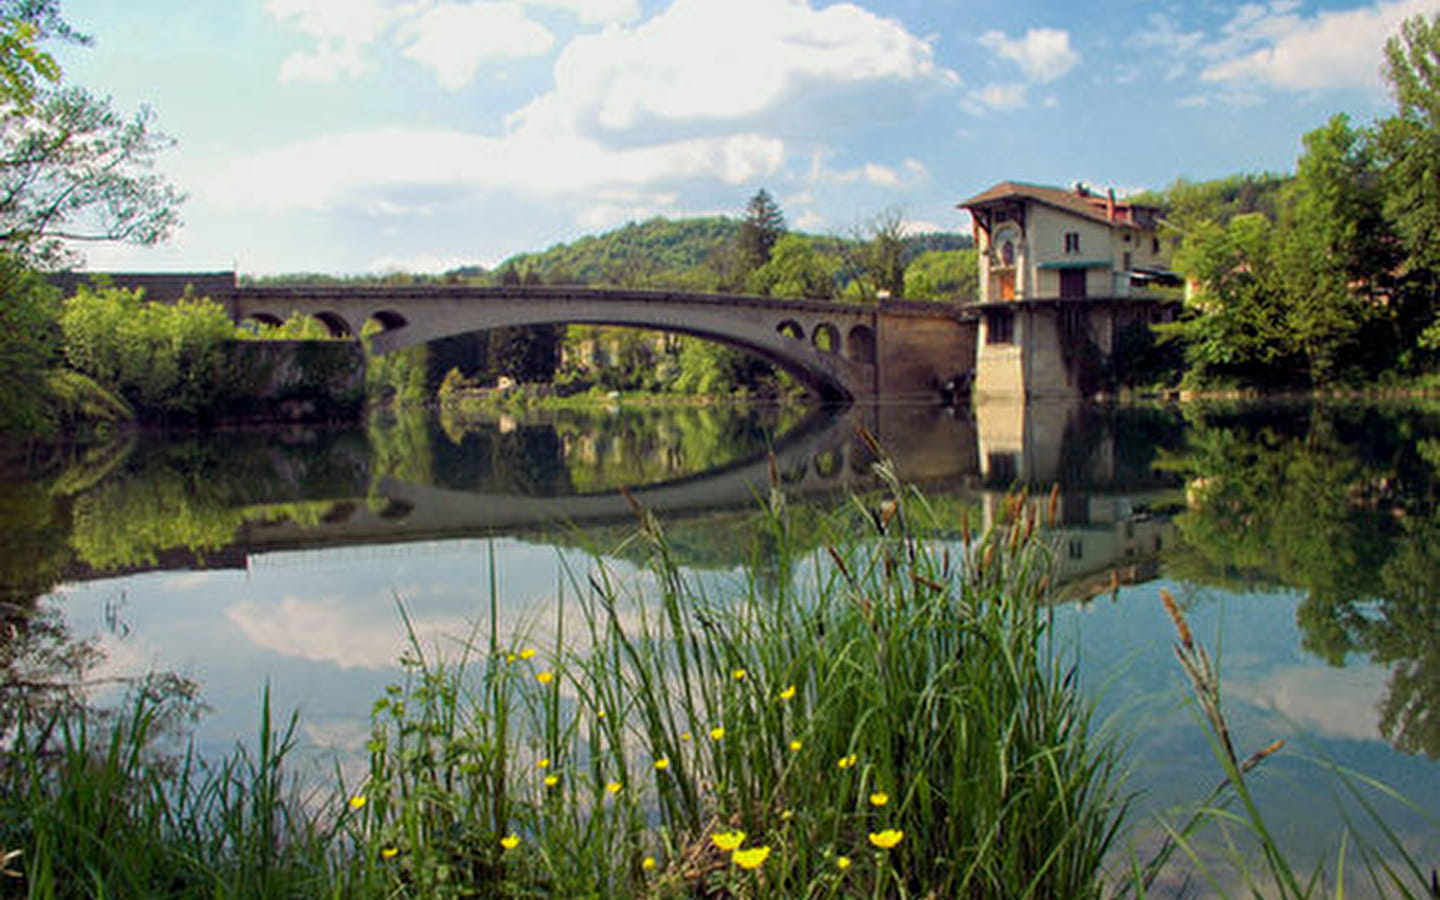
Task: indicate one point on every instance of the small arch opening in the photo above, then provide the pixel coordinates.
(791, 329)
(860, 346)
(389, 319)
(829, 463)
(335, 324)
(826, 338)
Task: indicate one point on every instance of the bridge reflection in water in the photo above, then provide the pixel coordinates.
(1104, 529)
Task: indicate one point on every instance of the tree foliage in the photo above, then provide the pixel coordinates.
(761, 228)
(949, 275)
(163, 358)
(796, 269)
(29, 342)
(72, 169)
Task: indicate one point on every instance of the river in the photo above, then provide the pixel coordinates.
(1304, 542)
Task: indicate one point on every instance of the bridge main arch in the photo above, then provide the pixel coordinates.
(828, 347)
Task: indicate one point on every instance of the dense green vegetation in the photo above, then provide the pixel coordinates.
(1329, 277)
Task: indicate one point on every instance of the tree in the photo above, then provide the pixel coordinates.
(761, 228)
(1409, 157)
(949, 275)
(796, 269)
(1235, 330)
(1333, 254)
(29, 342)
(72, 169)
(875, 258)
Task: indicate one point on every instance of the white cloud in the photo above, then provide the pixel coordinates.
(379, 172)
(453, 39)
(595, 12)
(343, 21)
(421, 263)
(1044, 54)
(1333, 49)
(341, 29)
(1333, 702)
(327, 63)
(700, 60)
(1001, 97)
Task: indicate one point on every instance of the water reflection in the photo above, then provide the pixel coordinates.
(1336, 503)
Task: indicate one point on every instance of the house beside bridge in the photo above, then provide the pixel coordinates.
(1063, 274)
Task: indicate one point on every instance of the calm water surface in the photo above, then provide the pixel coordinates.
(1304, 541)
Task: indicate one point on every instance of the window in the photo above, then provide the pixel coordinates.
(1155, 246)
(999, 326)
(1126, 261)
(1007, 253)
(1072, 242)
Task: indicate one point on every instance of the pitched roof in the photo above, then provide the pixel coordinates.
(1080, 201)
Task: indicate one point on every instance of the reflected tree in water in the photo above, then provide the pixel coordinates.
(1339, 505)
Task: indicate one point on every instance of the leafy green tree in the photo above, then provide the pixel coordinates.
(875, 259)
(72, 169)
(1332, 252)
(163, 358)
(796, 269)
(29, 345)
(1235, 331)
(1409, 157)
(949, 275)
(24, 67)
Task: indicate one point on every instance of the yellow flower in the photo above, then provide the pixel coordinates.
(887, 838)
(788, 693)
(842, 863)
(662, 764)
(717, 733)
(542, 763)
(552, 780)
(648, 864)
(510, 841)
(613, 787)
(728, 840)
(737, 674)
(600, 714)
(686, 736)
(545, 677)
(847, 761)
(527, 653)
(389, 852)
(879, 798)
(510, 657)
(358, 801)
(795, 746)
(753, 858)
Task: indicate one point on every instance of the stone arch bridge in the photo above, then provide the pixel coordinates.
(895, 350)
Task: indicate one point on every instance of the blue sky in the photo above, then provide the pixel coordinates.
(373, 135)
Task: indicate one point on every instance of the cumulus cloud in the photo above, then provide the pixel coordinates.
(595, 12)
(341, 29)
(999, 97)
(454, 39)
(380, 171)
(1334, 49)
(1043, 54)
(704, 61)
